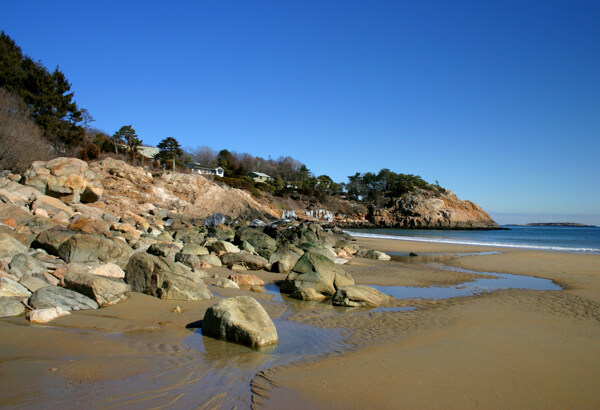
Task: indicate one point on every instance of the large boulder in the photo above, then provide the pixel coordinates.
(262, 243)
(211, 260)
(68, 179)
(51, 239)
(166, 249)
(90, 226)
(192, 248)
(103, 290)
(10, 307)
(221, 232)
(52, 296)
(217, 246)
(188, 260)
(316, 271)
(359, 295)
(308, 294)
(92, 249)
(284, 258)
(9, 246)
(373, 254)
(253, 262)
(240, 320)
(10, 288)
(24, 264)
(163, 278)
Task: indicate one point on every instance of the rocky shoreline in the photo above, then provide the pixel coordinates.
(63, 249)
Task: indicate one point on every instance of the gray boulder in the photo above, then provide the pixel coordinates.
(24, 264)
(10, 288)
(227, 283)
(221, 232)
(166, 249)
(359, 296)
(284, 258)
(240, 320)
(51, 239)
(164, 278)
(92, 249)
(103, 290)
(215, 245)
(373, 254)
(214, 220)
(52, 296)
(253, 262)
(10, 307)
(9, 246)
(262, 243)
(316, 271)
(211, 260)
(32, 283)
(188, 260)
(194, 249)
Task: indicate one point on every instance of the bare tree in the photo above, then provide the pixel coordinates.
(21, 141)
(203, 155)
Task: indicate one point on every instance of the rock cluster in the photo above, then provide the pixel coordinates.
(71, 240)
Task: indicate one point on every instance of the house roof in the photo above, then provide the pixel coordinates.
(260, 174)
(196, 166)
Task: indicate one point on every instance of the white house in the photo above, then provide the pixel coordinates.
(198, 169)
(260, 177)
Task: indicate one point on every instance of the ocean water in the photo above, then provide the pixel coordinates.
(558, 239)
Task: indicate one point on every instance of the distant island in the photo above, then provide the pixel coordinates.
(572, 224)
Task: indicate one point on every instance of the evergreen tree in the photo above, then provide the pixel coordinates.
(127, 136)
(169, 148)
(46, 94)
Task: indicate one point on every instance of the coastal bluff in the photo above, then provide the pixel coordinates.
(423, 209)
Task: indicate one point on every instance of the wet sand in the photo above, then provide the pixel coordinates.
(507, 349)
(510, 348)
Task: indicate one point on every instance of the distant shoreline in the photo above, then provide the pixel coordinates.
(555, 224)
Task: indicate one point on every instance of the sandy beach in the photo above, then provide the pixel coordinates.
(509, 348)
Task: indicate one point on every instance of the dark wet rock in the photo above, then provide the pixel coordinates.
(221, 232)
(318, 272)
(253, 262)
(285, 257)
(9, 246)
(262, 243)
(92, 249)
(166, 249)
(103, 290)
(240, 320)
(359, 296)
(53, 296)
(51, 239)
(164, 278)
(10, 307)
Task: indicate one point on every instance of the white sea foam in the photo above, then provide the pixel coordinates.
(473, 243)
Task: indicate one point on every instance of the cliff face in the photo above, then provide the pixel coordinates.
(131, 188)
(425, 209)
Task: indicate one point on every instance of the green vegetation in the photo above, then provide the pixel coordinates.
(46, 94)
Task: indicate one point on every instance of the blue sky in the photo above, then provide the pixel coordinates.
(497, 100)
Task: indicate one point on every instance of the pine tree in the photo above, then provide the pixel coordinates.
(169, 148)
